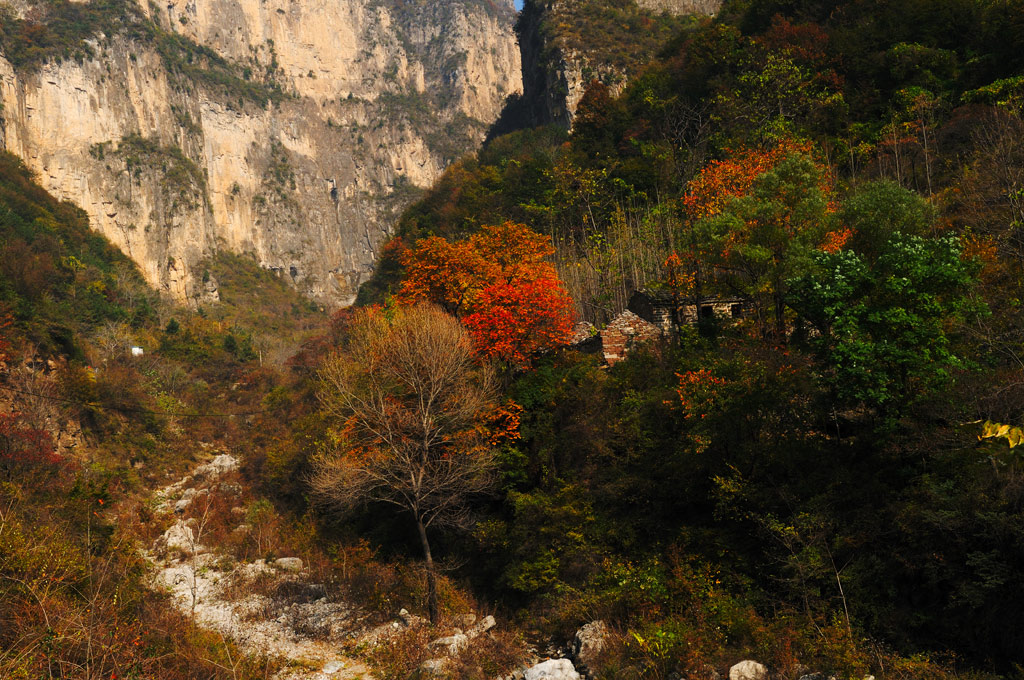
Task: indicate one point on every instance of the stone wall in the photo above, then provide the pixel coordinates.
(624, 333)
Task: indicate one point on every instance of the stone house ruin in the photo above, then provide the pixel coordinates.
(656, 307)
(649, 317)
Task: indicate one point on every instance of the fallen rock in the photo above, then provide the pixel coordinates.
(748, 670)
(434, 667)
(453, 644)
(408, 619)
(288, 563)
(552, 669)
(479, 629)
(332, 667)
(188, 497)
(253, 570)
(220, 465)
(179, 537)
(589, 642)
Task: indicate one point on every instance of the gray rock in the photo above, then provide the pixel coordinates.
(188, 497)
(748, 670)
(482, 627)
(589, 642)
(552, 669)
(218, 466)
(288, 563)
(179, 537)
(434, 667)
(332, 667)
(407, 618)
(453, 644)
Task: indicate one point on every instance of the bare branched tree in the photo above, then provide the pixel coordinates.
(409, 397)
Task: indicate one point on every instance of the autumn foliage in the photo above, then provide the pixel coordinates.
(499, 283)
(709, 192)
(698, 391)
(24, 447)
(756, 218)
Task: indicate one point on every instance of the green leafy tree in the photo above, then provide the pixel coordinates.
(768, 235)
(884, 326)
(875, 211)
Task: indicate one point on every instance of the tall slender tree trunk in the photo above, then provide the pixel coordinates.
(431, 577)
(780, 317)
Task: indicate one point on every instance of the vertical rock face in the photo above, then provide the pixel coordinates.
(566, 44)
(292, 130)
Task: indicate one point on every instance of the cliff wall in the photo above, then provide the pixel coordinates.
(291, 131)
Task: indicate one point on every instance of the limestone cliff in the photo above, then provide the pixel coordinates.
(292, 130)
(566, 44)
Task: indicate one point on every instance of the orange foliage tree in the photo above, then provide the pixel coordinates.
(721, 181)
(499, 283)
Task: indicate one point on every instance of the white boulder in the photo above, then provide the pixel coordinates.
(748, 670)
(179, 537)
(482, 626)
(552, 669)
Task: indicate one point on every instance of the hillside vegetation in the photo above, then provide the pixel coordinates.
(87, 429)
(805, 486)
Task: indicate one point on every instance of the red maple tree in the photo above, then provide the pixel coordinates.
(499, 283)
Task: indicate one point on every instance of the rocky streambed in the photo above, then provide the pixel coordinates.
(268, 608)
(275, 607)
